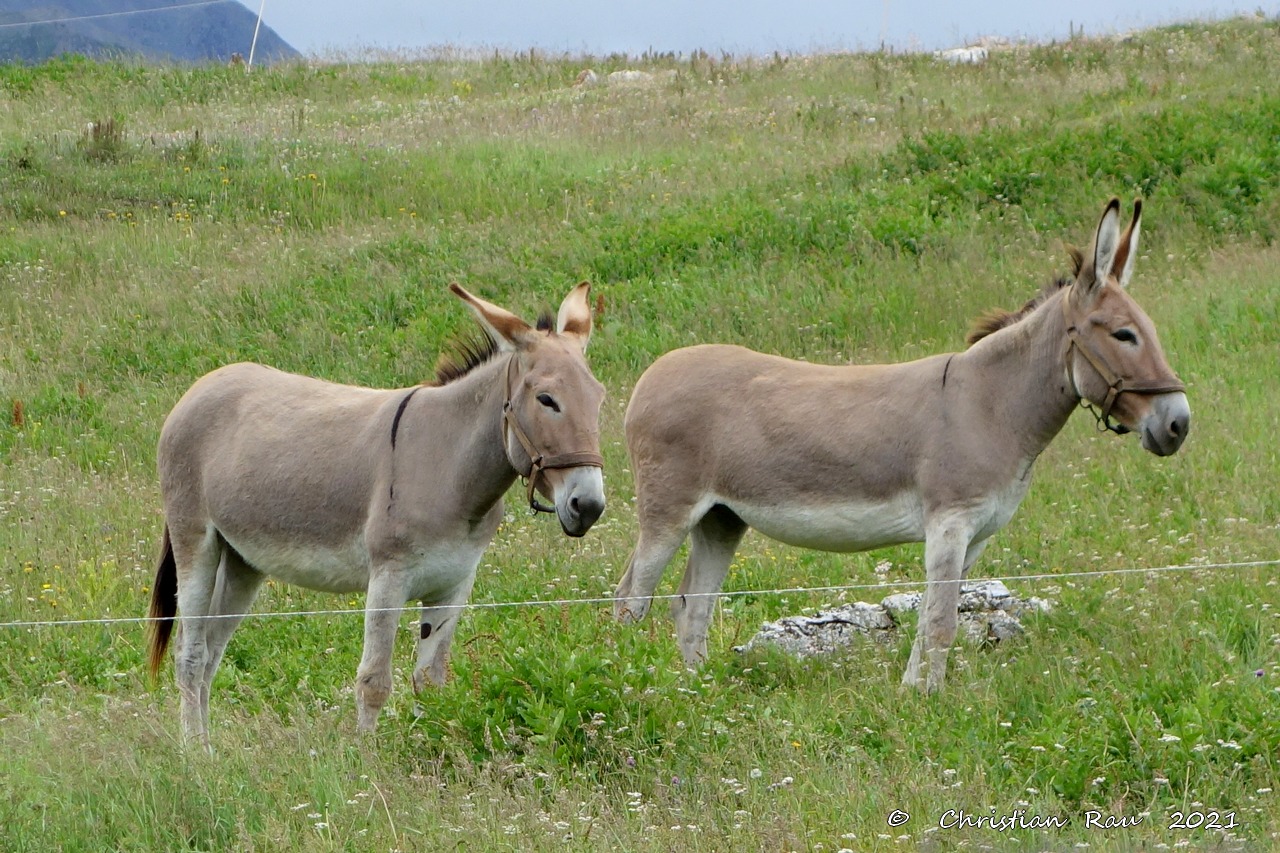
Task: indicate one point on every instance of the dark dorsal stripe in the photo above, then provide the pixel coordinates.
(395, 424)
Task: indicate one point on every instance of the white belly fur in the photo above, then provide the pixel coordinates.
(433, 569)
(844, 527)
(854, 525)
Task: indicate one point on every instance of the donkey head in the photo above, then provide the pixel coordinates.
(1114, 359)
(551, 413)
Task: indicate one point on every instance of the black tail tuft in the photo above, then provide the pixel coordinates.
(164, 606)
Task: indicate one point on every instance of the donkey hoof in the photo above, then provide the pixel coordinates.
(629, 610)
(427, 677)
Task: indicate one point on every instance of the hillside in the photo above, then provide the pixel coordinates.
(172, 30)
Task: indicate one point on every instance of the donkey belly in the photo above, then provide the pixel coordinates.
(338, 567)
(838, 526)
(427, 571)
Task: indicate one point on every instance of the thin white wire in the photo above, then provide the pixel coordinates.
(562, 602)
(115, 14)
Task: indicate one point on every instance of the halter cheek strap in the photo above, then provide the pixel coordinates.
(1116, 384)
(540, 462)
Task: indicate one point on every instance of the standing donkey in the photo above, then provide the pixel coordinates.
(342, 489)
(849, 458)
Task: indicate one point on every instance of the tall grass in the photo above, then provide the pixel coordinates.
(159, 222)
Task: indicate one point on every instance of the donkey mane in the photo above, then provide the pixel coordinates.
(996, 319)
(466, 353)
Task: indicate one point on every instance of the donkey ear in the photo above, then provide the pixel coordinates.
(574, 317)
(1122, 266)
(508, 330)
(1101, 255)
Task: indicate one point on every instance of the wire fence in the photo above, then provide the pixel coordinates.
(608, 599)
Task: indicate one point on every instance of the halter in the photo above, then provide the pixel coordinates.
(1116, 384)
(538, 463)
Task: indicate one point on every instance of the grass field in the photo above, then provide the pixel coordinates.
(158, 222)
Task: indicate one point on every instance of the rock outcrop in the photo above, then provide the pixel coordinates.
(989, 614)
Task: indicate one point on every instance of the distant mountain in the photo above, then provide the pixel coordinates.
(172, 30)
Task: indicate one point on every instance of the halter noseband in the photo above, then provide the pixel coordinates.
(1116, 384)
(538, 462)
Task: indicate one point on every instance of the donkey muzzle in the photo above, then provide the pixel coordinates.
(1166, 425)
(580, 501)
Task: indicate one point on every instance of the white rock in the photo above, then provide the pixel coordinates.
(989, 614)
(902, 602)
(825, 631)
(975, 55)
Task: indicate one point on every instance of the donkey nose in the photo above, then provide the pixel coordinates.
(1170, 421)
(586, 509)
(1177, 428)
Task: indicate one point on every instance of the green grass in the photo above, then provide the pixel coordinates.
(839, 208)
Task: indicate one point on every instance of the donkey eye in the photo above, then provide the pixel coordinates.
(548, 401)
(1125, 336)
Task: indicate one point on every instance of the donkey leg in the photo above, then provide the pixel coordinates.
(373, 678)
(438, 622)
(197, 558)
(944, 550)
(233, 594)
(653, 551)
(971, 556)
(663, 528)
(711, 547)
(912, 674)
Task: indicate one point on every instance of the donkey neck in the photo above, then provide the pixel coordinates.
(1023, 370)
(464, 419)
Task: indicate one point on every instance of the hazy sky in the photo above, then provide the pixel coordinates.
(736, 26)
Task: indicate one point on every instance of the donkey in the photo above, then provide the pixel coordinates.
(850, 458)
(395, 492)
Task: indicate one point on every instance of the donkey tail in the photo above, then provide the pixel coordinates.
(164, 606)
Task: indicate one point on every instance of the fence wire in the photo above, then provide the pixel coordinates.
(609, 599)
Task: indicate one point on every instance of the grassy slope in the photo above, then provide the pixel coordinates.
(836, 208)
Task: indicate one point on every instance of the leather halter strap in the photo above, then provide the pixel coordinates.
(540, 462)
(1116, 384)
